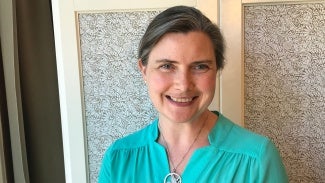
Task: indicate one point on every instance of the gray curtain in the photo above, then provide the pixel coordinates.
(39, 90)
(36, 88)
(5, 149)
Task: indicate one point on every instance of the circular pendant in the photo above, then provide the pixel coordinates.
(173, 178)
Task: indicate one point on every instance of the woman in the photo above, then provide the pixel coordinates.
(179, 56)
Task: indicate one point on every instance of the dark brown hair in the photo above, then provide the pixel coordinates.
(181, 19)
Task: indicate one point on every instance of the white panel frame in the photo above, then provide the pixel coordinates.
(246, 2)
(231, 81)
(97, 5)
(69, 73)
(70, 91)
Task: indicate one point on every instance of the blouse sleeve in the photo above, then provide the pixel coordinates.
(104, 174)
(272, 168)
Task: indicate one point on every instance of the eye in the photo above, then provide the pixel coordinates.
(166, 67)
(201, 68)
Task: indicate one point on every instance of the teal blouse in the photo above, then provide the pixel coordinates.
(234, 155)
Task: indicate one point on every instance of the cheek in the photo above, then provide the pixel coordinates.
(207, 84)
(158, 82)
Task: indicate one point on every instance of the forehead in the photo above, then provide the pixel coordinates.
(183, 46)
(197, 36)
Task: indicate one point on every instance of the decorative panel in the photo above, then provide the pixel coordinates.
(116, 102)
(284, 67)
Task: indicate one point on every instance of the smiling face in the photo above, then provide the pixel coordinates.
(181, 76)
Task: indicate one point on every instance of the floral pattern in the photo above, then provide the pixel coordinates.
(284, 78)
(116, 102)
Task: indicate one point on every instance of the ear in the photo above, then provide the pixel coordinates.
(142, 69)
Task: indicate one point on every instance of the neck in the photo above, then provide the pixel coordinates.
(181, 140)
(176, 132)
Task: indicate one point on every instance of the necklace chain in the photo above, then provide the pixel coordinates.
(188, 150)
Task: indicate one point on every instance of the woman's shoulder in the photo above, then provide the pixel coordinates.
(240, 140)
(136, 139)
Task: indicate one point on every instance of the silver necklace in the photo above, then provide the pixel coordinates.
(174, 177)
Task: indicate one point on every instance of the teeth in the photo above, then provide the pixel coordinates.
(181, 99)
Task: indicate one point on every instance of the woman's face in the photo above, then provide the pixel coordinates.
(181, 75)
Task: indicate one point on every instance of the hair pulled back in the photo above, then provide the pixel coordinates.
(181, 19)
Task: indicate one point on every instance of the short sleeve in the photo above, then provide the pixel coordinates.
(271, 166)
(104, 173)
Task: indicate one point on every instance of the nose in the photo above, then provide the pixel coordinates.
(184, 81)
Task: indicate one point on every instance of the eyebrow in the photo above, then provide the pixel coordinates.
(173, 61)
(203, 61)
(165, 61)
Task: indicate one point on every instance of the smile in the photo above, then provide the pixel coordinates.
(180, 100)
